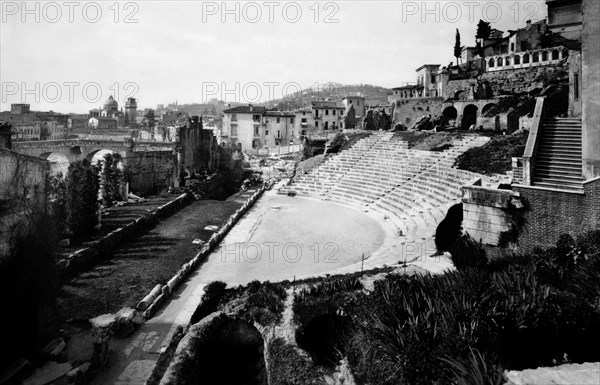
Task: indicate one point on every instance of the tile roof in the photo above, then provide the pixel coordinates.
(246, 110)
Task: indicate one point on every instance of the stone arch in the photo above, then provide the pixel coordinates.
(507, 61)
(460, 95)
(517, 59)
(555, 54)
(469, 116)
(544, 55)
(526, 58)
(499, 62)
(487, 108)
(565, 53)
(450, 113)
(98, 156)
(536, 57)
(491, 63)
(59, 163)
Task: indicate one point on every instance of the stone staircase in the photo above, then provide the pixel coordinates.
(411, 188)
(558, 162)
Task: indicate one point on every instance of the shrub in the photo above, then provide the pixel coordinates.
(466, 253)
(81, 198)
(213, 293)
(449, 228)
(288, 367)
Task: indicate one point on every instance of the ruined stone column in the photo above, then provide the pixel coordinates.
(101, 331)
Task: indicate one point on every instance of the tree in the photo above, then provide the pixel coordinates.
(483, 30)
(350, 119)
(369, 122)
(82, 195)
(112, 178)
(149, 119)
(457, 47)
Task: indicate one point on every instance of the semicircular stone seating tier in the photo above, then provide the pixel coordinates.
(412, 188)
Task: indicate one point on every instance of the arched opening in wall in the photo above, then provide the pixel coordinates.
(489, 110)
(517, 59)
(507, 61)
(545, 56)
(469, 116)
(98, 156)
(526, 58)
(450, 114)
(234, 355)
(536, 57)
(555, 54)
(499, 62)
(460, 95)
(59, 163)
(491, 63)
(325, 337)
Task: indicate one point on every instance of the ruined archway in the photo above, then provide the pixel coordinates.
(233, 355)
(450, 114)
(59, 163)
(324, 338)
(469, 116)
(489, 109)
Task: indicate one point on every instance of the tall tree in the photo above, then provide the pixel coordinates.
(457, 46)
(350, 119)
(82, 194)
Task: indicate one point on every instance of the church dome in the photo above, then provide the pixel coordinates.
(111, 102)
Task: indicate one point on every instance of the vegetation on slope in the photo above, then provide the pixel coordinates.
(495, 157)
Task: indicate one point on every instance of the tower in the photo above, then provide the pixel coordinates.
(130, 112)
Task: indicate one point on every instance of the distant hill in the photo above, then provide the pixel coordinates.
(333, 92)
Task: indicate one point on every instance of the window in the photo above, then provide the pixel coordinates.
(256, 118)
(234, 130)
(333, 112)
(517, 59)
(555, 55)
(278, 119)
(278, 134)
(255, 130)
(433, 78)
(526, 58)
(576, 86)
(536, 57)
(291, 120)
(266, 132)
(507, 61)
(316, 124)
(544, 56)
(326, 112)
(499, 62)
(512, 47)
(491, 63)
(303, 120)
(234, 117)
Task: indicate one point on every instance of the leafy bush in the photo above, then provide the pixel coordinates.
(466, 253)
(288, 367)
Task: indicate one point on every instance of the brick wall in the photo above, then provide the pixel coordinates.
(553, 213)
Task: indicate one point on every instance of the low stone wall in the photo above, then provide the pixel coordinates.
(484, 215)
(83, 258)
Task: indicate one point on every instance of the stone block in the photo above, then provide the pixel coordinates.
(55, 346)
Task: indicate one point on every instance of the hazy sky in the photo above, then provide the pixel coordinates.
(191, 51)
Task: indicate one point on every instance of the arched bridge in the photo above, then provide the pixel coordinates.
(153, 165)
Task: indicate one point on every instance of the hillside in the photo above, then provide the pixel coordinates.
(334, 92)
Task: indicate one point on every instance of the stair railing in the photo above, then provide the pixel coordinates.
(532, 141)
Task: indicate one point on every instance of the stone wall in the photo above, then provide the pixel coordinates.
(151, 172)
(484, 212)
(407, 112)
(22, 193)
(591, 88)
(555, 212)
(198, 147)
